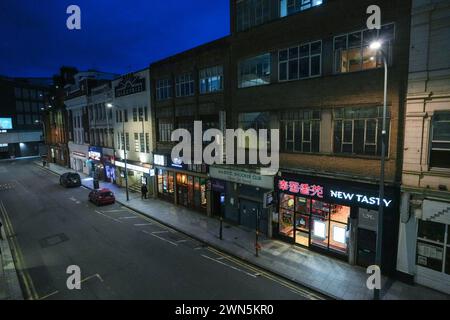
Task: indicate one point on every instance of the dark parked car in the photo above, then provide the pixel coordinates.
(102, 196)
(70, 179)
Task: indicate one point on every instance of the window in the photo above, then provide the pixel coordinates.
(257, 121)
(145, 113)
(288, 7)
(142, 142)
(440, 141)
(141, 114)
(211, 79)
(147, 142)
(184, 85)
(300, 62)
(358, 130)
(127, 141)
(433, 246)
(300, 131)
(134, 114)
(119, 141)
(125, 115)
(352, 52)
(163, 89)
(136, 142)
(20, 119)
(18, 92)
(250, 13)
(19, 106)
(165, 127)
(255, 71)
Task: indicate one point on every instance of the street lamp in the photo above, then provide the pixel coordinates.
(376, 47)
(110, 105)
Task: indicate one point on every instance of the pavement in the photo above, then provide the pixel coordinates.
(326, 275)
(120, 253)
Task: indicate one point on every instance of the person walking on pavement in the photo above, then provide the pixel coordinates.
(144, 191)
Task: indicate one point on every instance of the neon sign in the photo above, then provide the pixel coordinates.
(301, 188)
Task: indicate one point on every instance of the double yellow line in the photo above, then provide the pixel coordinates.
(17, 256)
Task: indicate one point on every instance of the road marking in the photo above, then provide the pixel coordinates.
(181, 241)
(143, 224)
(91, 277)
(127, 218)
(229, 266)
(49, 295)
(116, 220)
(113, 211)
(160, 238)
(159, 232)
(298, 290)
(23, 272)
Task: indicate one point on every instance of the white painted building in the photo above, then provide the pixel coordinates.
(133, 127)
(424, 234)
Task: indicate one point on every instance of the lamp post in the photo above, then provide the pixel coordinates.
(110, 105)
(376, 46)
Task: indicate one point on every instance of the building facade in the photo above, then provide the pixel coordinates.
(130, 107)
(21, 130)
(297, 66)
(424, 239)
(190, 86)
(77, 102)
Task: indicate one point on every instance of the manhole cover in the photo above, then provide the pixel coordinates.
(53, 240)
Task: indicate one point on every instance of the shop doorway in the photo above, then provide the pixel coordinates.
(248, 211)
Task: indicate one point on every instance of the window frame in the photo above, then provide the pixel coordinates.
(184, 82)
(248, 66)
(431, 141)
(298, 58)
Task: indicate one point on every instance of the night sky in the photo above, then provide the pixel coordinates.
(116, 35)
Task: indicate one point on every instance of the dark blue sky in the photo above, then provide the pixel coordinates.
(116, 36)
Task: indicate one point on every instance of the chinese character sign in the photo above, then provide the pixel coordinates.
(301, 188)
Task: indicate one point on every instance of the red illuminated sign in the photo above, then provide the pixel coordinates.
(301, 188)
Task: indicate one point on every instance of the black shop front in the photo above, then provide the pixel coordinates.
(336, 217)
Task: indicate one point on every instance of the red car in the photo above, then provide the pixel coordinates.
(102, 196)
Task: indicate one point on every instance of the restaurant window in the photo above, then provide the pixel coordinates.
(166, 184)
(250, 13)
(255, 71)
(312, 222)
(358, 130)
(352, 52)
(433, 246)
(211, 79)
(288, 7)
(165, 128)
(300, 131)
(440, 142)
(184, 85)
(300, 62)
(163, 89)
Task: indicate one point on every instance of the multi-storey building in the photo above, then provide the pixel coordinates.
(76, 101)
(56, 120)
(22, 105)
(101, 131)
(130, 107)
(301, 67)
(190, 86)
(424, 239)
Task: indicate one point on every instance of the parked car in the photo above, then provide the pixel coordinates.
(102, 197)
(70, 180)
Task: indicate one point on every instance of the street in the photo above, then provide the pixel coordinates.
(121, 254)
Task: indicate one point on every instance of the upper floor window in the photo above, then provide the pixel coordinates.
(250, 13)
(184, 85)
(288, 7)
(358, 130)
(300, 131)
(165, 128)
(352, 51)
(300, 62)
(440, 141)
(255, 71)
(163, 89)
(211, 79)
(256, 121)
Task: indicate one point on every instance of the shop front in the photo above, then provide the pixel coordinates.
(182, 184)
(239, 196)
(95, 156)
(79, 158)
(138, 174)
(335, 217)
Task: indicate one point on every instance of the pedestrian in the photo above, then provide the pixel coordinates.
(144, 191)
(1, 236)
